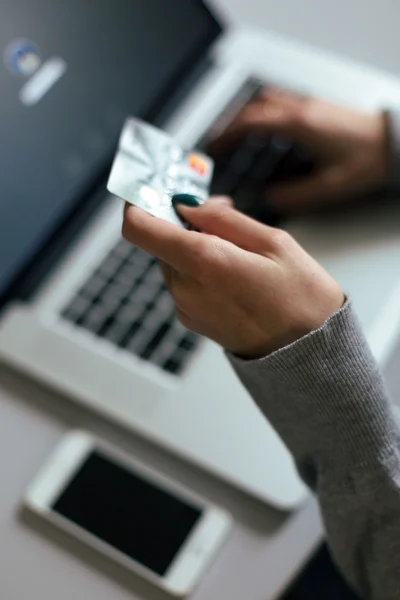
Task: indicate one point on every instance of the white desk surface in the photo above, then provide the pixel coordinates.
(266, 548)
(40, 563)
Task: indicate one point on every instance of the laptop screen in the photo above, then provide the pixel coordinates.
(72, 71)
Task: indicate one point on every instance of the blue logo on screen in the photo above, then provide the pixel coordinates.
(22, 57)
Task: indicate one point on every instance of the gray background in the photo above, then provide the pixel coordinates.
(364, 29)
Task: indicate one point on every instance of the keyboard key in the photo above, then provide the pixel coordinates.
(137, 338)
(128, 340)
(128, 274)
(154, 342)
(116, 332)
(189, 341)
(123, 249)
(95, 319)
(172, 366)
(175, 363)
(76, 309)
(115, 293)
(243, 159)
(297, 163)
(129, 313)
(225, 184)
(94, 286)
(110, 266)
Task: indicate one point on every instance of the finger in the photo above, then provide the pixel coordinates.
(221, 200)
(169, 243)
(185, 320)
(229, 224)
(168, 273)
(275, 118)
(174, 280)
(324, 186)
(282, 97)
(268, 118)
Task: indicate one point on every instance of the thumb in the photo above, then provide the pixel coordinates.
(221, 220)
(325, 185)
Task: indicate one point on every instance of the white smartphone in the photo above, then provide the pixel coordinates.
(139, 518)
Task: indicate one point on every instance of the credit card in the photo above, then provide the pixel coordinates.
(150, 168)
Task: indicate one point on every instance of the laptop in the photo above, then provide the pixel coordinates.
(82, 310)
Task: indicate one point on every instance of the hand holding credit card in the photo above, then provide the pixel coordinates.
(150, 168)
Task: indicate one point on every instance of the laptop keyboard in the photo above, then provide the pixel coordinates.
(125, 302)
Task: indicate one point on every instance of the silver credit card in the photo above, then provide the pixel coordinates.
(150, 168)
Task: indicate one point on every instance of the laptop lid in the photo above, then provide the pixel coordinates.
(72, 71)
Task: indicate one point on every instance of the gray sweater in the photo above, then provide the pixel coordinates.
(325, 397)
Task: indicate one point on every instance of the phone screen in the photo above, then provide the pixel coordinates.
(128, 511)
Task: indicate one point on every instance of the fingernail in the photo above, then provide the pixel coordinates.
(185, 199)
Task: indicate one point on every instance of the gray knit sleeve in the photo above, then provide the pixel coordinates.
(393, 125)
(325, 396)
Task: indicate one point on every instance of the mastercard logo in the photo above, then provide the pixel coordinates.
(198, 164)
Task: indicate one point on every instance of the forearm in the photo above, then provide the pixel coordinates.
(325, 397)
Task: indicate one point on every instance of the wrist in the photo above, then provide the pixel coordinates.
(328, 386)
(292, 328)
